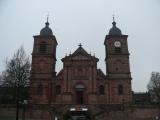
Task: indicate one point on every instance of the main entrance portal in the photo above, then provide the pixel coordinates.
(79, 97)
(79, 94)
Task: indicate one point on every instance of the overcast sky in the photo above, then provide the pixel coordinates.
(86, 22)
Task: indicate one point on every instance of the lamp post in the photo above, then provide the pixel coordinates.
(24, 103)
(157, 118)
(17, 101)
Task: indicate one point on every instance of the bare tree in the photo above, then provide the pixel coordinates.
(16, 76)
(154, 87)
(17, 70)
(1, 80)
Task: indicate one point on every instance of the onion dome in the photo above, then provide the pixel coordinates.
(114, 30)
(46, 30)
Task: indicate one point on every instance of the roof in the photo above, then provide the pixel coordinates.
(46, 30)
(100, 73)
(114, 30)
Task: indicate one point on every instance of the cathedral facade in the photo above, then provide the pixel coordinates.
(79, 83)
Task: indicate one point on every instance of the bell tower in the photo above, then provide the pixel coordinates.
(117, 66)
(43, 66)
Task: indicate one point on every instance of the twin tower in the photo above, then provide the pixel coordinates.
(79, 82)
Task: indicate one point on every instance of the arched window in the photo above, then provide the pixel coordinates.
(58, 89)
(101, 90)
(120, 90)
(43, 47)
(40, 90)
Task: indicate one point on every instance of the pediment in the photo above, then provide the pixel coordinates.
(80, 54)
(80, 57)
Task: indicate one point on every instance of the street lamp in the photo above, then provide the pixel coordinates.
(24, 103)
(156, 118)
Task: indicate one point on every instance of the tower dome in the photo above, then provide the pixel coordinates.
(114, 30)
(46, 30)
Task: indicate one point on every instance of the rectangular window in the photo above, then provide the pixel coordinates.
(118, 50)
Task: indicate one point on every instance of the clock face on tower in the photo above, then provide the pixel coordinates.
(117, 44)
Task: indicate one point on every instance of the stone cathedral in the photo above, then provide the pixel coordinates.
(79, 90)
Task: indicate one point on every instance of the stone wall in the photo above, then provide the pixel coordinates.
(45, 112)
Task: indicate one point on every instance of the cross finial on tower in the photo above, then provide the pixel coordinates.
(113, 23)
(113, 18)
(80, 45)
(47, 17)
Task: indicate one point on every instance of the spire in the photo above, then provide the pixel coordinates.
(114, 30)
(46, 30)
